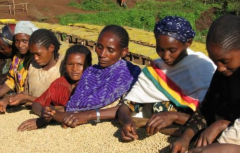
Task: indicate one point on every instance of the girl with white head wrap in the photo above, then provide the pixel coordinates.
(25, 27)
(19, 67)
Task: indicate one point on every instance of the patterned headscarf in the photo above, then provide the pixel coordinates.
(176, 27)
(7, 34)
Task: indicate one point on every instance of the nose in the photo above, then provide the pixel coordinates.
(166, 56)
(20, 44)
(74, 67)
(103, 53)
(36, 57)
(220, 67)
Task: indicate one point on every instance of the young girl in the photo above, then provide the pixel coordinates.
(171, 87)
(7, 50)
(76, 60)
(221, 105)
(100, 84)
(43, 70)
(19, 67)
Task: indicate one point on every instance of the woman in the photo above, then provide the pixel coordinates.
(19, 67)
(100, 84)
(171, 88)
(221, 104)
(7, 50)
(76, 60)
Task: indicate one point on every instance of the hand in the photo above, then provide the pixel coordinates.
(17, 99)
(3, 105)
(216, 147)
(181, 145)
(31, 124)
(128, 131)
(74, 119)
(211, 133)
(159, 121)
(47, 113)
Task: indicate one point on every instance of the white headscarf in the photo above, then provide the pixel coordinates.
(25, 27)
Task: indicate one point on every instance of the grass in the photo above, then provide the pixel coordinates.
(143, 15)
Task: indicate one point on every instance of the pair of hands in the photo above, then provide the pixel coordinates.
(47, 114)
(216, 147)
(206, 138)
(154, 125)
(12, 101)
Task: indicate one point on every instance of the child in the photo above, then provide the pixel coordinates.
(221, 105)
(172, 87)
(19, 67)
(44, 69)
(7, 50)
(76, 60)
(101, 85)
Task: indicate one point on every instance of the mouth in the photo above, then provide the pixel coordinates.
(168, 63)
(75, 74)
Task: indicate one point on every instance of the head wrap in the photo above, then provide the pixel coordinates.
(7, 34)
(25, 27)
(176, 27)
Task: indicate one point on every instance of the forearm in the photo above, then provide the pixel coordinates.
(29, 98)
(4, 89)
(188, 135)
(180, 118)
(59, 116)
(124, 114)
(37, 108)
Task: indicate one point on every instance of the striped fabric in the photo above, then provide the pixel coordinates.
(169, 88)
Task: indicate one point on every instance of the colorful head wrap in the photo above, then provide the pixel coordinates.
(7, 34)
(176, 27)
(25, 27)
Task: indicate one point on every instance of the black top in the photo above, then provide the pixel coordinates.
(222, 101)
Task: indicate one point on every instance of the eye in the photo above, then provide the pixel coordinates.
(110, 50)
(99, 46)
(172, 50)
(159, 49)
(225, 61)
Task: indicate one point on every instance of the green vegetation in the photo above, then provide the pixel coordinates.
(143, 15)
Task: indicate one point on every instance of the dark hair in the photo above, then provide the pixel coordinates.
(225, 32)
(45, 38)
(120, 32)
(75, 49)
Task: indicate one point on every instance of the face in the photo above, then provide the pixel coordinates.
(171, 50)
(21, 42)
(75, 66)
(5, 49)
(43, 56)
(108, 49)
(227, 61)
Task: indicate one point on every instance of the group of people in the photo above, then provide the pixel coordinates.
(183, 93)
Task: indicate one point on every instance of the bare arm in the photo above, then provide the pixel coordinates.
(37, 108)
(21, 98)
(124, 114)
(86, 116)
(4, 89)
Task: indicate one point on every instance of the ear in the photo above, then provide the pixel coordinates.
(124, 52)
(189, 43)
(51, 48)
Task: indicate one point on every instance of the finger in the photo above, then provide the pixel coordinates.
(125, 137)
(134, 132)
(14, 103)
(204, 143)
(183, 150)
(175, 149)
(199, 141)
(74, 123)
(64, 126)
(153, 127)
